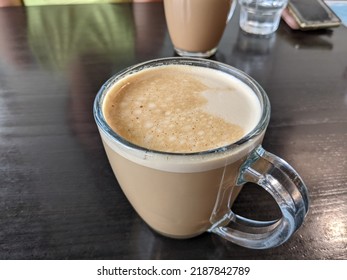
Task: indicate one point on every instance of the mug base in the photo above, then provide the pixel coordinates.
(206, 54)
(175, 236)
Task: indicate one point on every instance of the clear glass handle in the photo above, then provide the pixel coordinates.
(287, 188)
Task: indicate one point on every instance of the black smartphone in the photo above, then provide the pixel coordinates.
(309, 14)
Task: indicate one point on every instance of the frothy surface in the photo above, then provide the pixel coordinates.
(181, 109)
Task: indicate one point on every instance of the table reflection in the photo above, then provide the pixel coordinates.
(253, 54)
(58, 39)
(314, 39)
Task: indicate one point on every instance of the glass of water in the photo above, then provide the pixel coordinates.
(261, 17)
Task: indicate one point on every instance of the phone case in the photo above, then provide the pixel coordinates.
(312, 14)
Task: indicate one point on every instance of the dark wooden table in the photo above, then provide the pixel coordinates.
(58, 196)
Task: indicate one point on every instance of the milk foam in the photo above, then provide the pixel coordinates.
(232, 100)
(222, 100)
(181, 109)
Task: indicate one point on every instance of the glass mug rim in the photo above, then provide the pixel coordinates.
(199, 62)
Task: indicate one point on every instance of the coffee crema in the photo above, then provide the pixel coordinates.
(181, 109)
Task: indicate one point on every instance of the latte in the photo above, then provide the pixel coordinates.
(174, 116)
(181, 109)
(182, 137)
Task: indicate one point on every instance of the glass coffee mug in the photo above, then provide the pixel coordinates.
(183, 194)
(197, 26)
